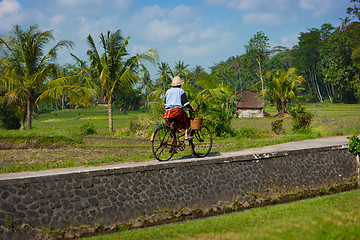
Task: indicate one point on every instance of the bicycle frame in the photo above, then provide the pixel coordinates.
(172, 140)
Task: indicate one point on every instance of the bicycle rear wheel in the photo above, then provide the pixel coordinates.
(163, 143)
(202, 142)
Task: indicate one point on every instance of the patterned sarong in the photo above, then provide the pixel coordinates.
(180, 115)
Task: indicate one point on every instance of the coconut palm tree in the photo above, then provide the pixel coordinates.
(146, 84)
(165, 75)
(281, 86)
(113, 70)
(68, 83)
(181, 70)
(195, 74)
(27, 69)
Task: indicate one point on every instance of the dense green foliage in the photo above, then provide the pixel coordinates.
(87, 129)
(301, 118)
(327, 60)
(8, 117)
(354, 145)
(26, 69)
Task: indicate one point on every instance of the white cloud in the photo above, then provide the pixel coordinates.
(268, 19)
(181, 13)
(55, 20)
(188, 37)
(290, 41)
(253, 5)
(197, 51)
(307, 4)
(10, 14)
(158, 30)
(8, 7)
(139, 49)
(319, 7)
(235, 4)
(88, 7)
(208, 33)
(86, 27)
(162, 24)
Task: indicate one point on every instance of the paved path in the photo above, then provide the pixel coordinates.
(289, 146)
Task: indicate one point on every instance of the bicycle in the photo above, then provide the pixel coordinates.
(166, 140)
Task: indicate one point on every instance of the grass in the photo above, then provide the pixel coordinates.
(327, 217)
(55, 140)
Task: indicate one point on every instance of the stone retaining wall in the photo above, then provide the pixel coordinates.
(120, 194)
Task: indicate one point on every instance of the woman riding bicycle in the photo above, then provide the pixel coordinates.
(175, 101)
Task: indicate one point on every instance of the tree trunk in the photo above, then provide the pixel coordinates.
(328, 90)
(282, 106)
(317, 89)
(62, 101)
(110, 116)
(23, 118)
(358, 166)
(260, 74)
(29, 113)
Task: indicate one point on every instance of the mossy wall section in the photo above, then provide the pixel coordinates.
(121, 194)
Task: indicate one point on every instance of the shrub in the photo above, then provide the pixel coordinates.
(10, 122)
(8, 119)
(249, 132)
(87, 129)
(157, 112)
(301, 118)
(277, 126)
(218, 118)
(354, 145)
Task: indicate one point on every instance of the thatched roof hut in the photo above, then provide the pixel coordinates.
(249, 104)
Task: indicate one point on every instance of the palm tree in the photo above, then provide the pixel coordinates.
(165, 74)
(113, 70)
(237, 64)
(181, 70)
(146, 84)
(27, 69)
(195, 74)
(281, 86)
(68, 83)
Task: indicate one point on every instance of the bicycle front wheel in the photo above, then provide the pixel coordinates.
(202, 142)
(163, 143)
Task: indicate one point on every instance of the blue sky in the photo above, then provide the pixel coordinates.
(198, 32)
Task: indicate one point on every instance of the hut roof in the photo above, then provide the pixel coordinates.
(249, 100)
(102, 101)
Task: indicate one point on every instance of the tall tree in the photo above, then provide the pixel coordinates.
(27, 68)
(307, 58)
(239, 64)
(283, 59)
(114, 70)
(340, 58)
(354, 10)
(223, 74)
(258, 53)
